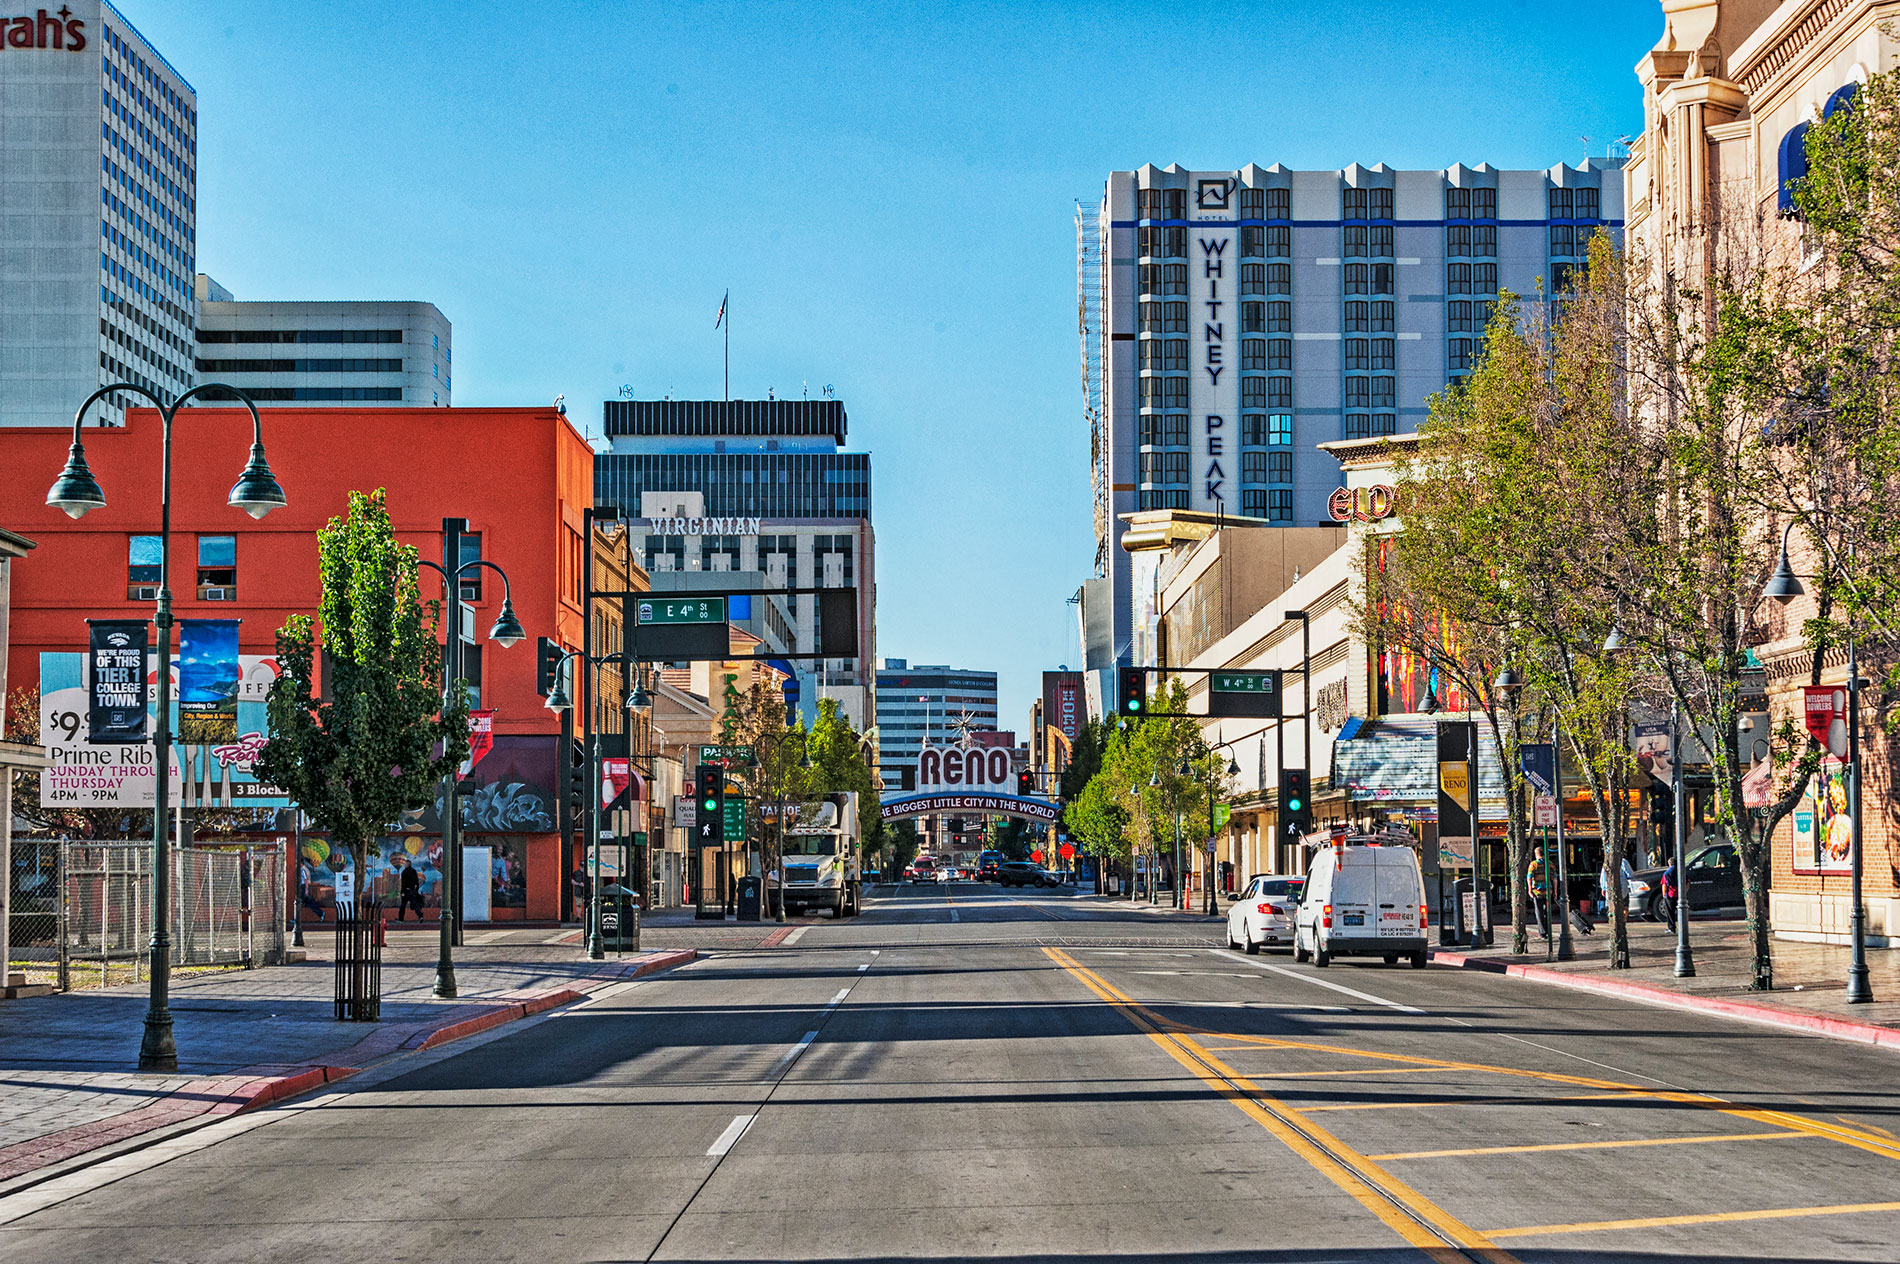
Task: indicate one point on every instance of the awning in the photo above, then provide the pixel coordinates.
(1792, 160)
(1394, 760)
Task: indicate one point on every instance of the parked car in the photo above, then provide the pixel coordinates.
(1715, 882)
(1363, 900)
(1019, 873)
(1263, 913)
(1050, 878)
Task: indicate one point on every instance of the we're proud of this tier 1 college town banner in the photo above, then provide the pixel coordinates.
(115, 703)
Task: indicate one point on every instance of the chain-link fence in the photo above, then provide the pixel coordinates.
(33, 910)
(227, 909)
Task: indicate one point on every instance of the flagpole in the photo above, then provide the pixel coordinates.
(728, 355)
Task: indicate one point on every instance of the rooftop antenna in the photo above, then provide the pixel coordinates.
(804, 388)
(828, 394)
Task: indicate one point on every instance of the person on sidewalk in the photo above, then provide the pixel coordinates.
(1669, 897)
(409, 892)
(304, 894)
(1534, 878)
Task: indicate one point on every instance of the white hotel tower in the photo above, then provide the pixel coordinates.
(98, 207)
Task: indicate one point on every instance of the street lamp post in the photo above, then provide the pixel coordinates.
(76, 492)
(506, 631)
(559, 701)
(1685, 957)
(1784, 586)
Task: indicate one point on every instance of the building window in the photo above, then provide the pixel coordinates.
(1463, 352)
(1150, 392)
(1279, 243)
(1150, 317)
(1566, 240)
(1253, 428)
(1363, 318)
(142, 568)
(1280, 430)
(1358, 392)
(1253, 278)
(1253, 353)
(1148, 354)
(1253, 466)
(1471, 203)
(1368, 204)
(1381, 353)
(1279, 318)
(1174, 278)
(1253, 318)
(1368, 242)
(1175, 430)
(1150, 274)
(1382, 275)
(1253, 504)
(1252, 204)
(1357, 353)
(1280, 354)
(1355, 243)
(1175, 392)
(1279, 392)
(1277, 203)
(1279, 506)
(1465, 317)
(1150, 429)
(1279, 278)
(471, 550)
(1574, 204)
(1358, 425)
(217, 568)
(1174, 203)
(1253, 242)
(1358, 278)
(1253, 392)
(1383, 389)
(1148, 203)
(1176, 467)
(1176, 320)
(1279, 467)
(1565, 277)
(1176, 356)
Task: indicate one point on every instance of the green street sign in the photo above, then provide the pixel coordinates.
(735, 818)
(728, 756)
(680, 610)
(1244, 693)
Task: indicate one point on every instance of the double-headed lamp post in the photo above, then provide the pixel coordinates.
(637, 699)
(75, 493)
(1784, 586)
(507, 631)
(1233, 770)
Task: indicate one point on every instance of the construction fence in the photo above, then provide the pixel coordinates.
(87, 919)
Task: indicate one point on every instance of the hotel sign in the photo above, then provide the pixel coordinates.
(704, 526)
(44, 30)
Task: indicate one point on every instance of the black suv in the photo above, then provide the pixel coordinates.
(1020, 873)
(1715, 882)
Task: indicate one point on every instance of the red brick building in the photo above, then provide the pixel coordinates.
(520, 476)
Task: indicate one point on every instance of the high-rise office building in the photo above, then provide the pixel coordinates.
(324, 353)
(1248, 316)
(762, 489)
(936, 703)
(98, 213)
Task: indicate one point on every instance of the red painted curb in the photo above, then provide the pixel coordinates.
(1814, 1024)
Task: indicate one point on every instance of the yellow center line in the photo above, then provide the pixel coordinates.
(1485, 1101)
(1713, 1217)
(1301, 1075)
(1351, 1171)
(1586, 1145)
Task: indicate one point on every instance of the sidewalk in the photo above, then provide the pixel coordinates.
(247, 1038)
(1810, 979)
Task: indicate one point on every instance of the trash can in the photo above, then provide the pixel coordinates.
(619, 919)
(749, 898)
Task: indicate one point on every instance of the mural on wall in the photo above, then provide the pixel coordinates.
(319, 863)
(511, 790)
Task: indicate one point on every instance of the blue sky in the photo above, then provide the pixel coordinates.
(887, 190)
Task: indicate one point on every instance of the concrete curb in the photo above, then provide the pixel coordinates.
(1741, 1011)
(212, 1097)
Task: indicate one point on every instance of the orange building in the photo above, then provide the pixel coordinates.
(521, 477)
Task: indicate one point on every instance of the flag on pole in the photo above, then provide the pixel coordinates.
(720, 319)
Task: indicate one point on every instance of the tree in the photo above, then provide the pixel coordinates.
(365, 750)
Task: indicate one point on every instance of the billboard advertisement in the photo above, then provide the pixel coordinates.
(206, 773)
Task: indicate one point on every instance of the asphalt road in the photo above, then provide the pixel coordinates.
(970, 1073)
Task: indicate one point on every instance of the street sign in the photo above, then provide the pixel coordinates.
(1544, 811)
(680, 610)
(735, 818)
(1539, 762)
(1826, 715)
(728, 756)
(1253, 694)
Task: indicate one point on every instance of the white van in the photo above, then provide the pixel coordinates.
(1362, 900)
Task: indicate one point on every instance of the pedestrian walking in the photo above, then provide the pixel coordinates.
(409, 892)
(304, 896)
(1669, 896)
(1534, 877)
(579, 881)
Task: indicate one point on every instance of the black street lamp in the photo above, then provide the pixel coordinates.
(559, 701)
(76, 492)
(1784, 586)
(507, 631)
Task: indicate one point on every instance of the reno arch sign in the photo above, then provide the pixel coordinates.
(972, 768)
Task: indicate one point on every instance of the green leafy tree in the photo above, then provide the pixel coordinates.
(378, 739)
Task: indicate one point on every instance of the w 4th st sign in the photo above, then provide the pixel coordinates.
(1254, 694)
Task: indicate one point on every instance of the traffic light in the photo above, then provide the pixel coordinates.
(1025, 783)
(1131, 691)
(577, 783)
(1296, 802)
(710, 829)
(547, 659)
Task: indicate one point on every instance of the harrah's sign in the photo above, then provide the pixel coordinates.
(44, 30)
(978, 767)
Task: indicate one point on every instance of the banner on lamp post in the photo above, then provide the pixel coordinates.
(1825, 710)
(115, 686)
(208, 676)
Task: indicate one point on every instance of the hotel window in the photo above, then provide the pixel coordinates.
(1279, 392)
(1358, 425)
(1150, 392)
(1253, 278)
(1253, 504)
(1567, 240)
(1382, 275)
(1175, 391)
(1174, 203)
(1253, 318)
(1462, 317)
(1150, 318)
(1574, 204)
(1253, 353)
(1148, 204)
(1561, 203)
(1252, 204)
(1174, 278)
(1462, 352)
(1358, 278)
(1175, 430)
(1357, 353)
(1565, 277)
(1150, 430)
(1279, 318)
(1253, 429)
(1588, 204)
(1176, 321)
(1471, 203)
(1253, 392)
(1279, 242)
(1279, 506)
(1383, 391)
(1356, 243)
(471, 550)
(1150, 239)
(1279, 467)
(1280, 430)
(1358, 318)
(1280, 354)
(1175, 467)
(1253, 466)
(1175, 357)
(1151, 467)
(1150, 274)
(1174, 243)
(1253, 242)
(1277, 202)
(141, 568)
(1358, 392)
(1279, 278)
(1149, 356)
(217, 568)
(1381, 353)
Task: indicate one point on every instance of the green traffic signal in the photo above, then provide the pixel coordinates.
(1293, 805)
(712, 805)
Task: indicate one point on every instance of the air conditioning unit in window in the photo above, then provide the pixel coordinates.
(218, 594)
(149, 593)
